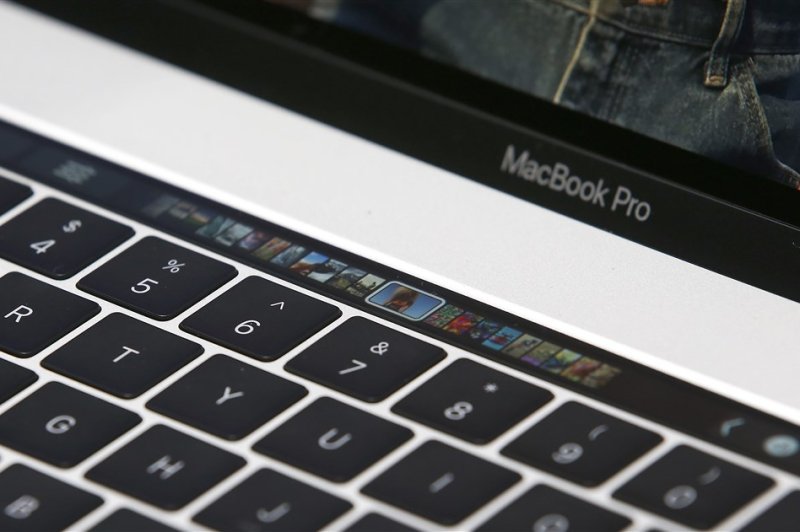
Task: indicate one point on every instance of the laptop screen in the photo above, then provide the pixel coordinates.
(718, 79)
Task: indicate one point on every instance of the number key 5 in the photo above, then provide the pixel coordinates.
(157, 278)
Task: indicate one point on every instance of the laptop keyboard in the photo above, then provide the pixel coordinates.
(148, 384)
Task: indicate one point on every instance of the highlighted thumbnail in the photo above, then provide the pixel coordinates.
(406, 301)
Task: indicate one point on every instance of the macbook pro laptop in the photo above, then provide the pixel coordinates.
(402, 265)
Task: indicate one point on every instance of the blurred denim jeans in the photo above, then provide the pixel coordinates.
(720, 78)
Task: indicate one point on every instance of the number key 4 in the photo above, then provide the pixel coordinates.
(58, 239)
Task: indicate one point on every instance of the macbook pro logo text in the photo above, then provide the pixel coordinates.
(558, 178)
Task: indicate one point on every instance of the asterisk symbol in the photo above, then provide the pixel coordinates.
(490, 387)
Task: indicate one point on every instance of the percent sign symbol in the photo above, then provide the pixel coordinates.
(173, 266)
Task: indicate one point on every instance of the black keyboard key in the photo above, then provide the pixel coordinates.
(544, 509)
(364, 359)
(441, 483)
(260, 318)
(373, 522)
(333, 440)
(34, 501)
(12, 194)
(124, 520)
(34, 314)
(157, 278)
(581, 444)
(14, 379)
(122, 356)
(165, 468)
(472, 401)
(58, 239)
(63, 426)
(783, 516)
(227, 398)
(767, 439)
(268, 500)
(693, 488)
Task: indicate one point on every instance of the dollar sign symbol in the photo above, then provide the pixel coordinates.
(72, 226)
